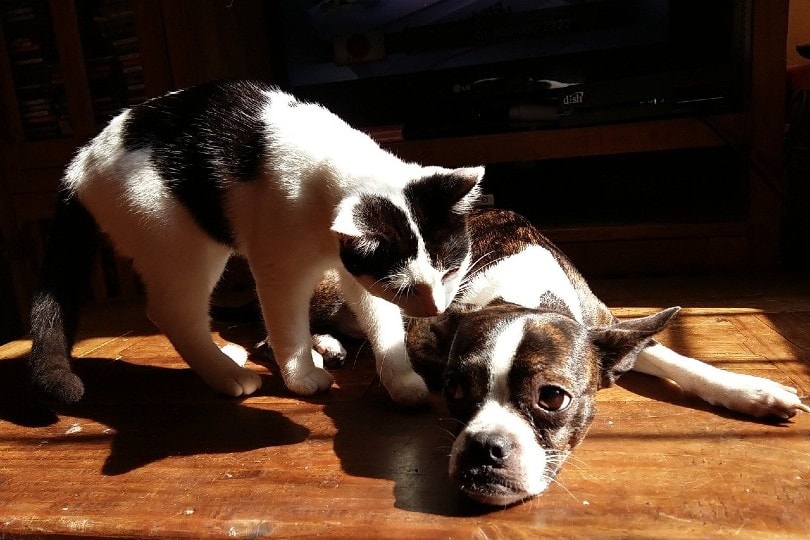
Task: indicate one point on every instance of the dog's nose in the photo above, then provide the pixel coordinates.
(489, 448)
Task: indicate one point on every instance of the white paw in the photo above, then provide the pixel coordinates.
(237, 382)
(409, 389)
(758, 396)
(236, 353)
(332, 353)
(317, 359)
(310, 383)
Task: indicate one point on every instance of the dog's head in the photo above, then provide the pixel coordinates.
(523, 381)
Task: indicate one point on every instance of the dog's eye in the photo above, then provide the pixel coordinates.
(453, 389)
(553, 398)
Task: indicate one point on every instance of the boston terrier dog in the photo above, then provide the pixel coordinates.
(521, 353)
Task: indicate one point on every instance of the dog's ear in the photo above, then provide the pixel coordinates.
(444, 326)
(428, 342)
(619, 344)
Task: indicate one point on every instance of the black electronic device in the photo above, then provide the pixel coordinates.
(442, 67)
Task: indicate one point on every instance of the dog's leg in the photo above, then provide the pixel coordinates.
(330, 349)
(748, 394)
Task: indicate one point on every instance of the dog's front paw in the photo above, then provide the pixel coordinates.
(759, 397)
(330, 350)
(236, 353)
(307, 384)
(409, 390)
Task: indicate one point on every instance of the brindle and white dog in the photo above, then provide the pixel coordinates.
(522, 352)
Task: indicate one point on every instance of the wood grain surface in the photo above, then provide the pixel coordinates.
(150, 452)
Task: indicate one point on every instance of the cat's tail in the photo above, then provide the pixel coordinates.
(68, 260)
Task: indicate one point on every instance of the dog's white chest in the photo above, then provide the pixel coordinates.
(524, 279)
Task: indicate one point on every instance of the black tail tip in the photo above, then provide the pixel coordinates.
(64, 386)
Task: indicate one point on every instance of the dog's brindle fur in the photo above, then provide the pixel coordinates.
(524, 348)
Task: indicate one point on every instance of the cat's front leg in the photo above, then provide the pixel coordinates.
(382, 324)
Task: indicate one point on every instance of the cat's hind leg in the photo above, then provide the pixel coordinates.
(178, 285)
(284, 295)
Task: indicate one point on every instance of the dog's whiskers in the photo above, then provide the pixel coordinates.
(452, 419)
(448, 433)
(553, 479)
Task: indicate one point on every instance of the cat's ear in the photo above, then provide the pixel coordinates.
(464, 188)
(443, 189)
(344, 223)
(351, 237)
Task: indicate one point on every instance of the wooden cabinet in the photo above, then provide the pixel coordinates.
(67, 65)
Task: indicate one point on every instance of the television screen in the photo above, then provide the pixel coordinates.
(344, 40)
(462, 66)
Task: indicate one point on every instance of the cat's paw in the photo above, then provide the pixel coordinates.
(330, 350)
(241, 382)
(310, 383)
(409, 389)
(233, 380)
(758, 397)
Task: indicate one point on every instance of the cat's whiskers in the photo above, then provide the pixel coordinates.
(472, 267)
(472, 273)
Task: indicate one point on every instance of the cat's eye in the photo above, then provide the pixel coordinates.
(449, 274)
(553, 398)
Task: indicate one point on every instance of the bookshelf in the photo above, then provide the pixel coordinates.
(112, 56)
(66, 67)
(34, 64)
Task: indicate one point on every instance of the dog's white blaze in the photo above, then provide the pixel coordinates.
(495, 417)
(523, 278)
(507, 337)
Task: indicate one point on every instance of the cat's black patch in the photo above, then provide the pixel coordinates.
(201, 137)
(430, 200)
(382, 222)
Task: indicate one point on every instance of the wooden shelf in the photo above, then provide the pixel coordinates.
(652, 231)
(654, 135)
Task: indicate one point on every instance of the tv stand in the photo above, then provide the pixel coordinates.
(676, 244)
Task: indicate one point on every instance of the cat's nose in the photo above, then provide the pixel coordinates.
(430, 307)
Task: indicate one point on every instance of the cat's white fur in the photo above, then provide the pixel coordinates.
(287, 225)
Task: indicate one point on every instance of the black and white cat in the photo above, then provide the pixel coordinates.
(181, 182)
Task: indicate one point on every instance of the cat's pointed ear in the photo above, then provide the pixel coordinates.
(619, 344)
(344, 223)
(464, 188)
